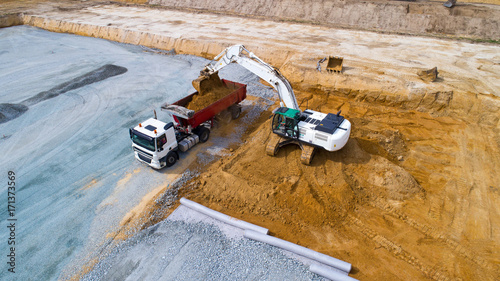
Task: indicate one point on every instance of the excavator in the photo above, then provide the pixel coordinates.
(309, 129)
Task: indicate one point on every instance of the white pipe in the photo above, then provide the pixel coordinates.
(308, 253)
(222, 217)
(330, 274)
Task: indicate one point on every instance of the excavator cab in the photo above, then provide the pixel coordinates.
(285, 122)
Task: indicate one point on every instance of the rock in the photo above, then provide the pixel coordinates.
(429, 75)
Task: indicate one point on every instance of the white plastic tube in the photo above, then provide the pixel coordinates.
(330, 274)
(222, 217)
(308, 253)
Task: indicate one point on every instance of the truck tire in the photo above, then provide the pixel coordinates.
(171, 158)
(225, 116)
(235, 111)
(203, 133)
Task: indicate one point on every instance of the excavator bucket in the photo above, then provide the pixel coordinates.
(207, 83)
(334, 64)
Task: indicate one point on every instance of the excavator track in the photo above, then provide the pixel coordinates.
(307, 154)
(273, 145)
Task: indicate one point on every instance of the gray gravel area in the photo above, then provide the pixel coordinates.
(65, 109)
(178, 250)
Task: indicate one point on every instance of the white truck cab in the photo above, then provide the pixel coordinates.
(154, 143)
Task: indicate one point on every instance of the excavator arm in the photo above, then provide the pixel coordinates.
(240, 55)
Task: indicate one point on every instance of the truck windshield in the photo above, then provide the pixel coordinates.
(142, 140)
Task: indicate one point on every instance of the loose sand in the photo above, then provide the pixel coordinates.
(411, 196)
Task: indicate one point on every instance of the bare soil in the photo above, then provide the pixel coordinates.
(411, 196)
(414, 194)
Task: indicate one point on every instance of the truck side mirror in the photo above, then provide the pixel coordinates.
(130, 132)
(168, 125)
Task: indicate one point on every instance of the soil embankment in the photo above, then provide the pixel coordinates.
(402, 17)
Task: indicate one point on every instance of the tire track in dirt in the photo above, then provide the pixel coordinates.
(436, 234)
(433, 272)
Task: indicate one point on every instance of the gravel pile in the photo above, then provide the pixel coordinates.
(176, 250)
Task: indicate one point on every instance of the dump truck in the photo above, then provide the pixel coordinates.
(157, 143)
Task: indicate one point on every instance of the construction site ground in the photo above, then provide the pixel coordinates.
(414, 194)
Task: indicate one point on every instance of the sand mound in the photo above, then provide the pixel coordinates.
(393, 187)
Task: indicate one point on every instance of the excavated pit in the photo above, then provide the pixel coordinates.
(414, 193)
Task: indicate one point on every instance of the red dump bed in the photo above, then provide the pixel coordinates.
(207, 113)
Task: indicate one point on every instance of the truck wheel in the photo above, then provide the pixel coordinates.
(225, 116)
(171, 158)
(235, 111)
(203, 133)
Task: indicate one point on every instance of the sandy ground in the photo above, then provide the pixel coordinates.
(414, 195)
(432, 214)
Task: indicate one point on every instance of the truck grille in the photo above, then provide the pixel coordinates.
(145, 159)
(144, 156)
(143, 152)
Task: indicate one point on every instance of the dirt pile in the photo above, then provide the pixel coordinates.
(393, 200)
(209, 90)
